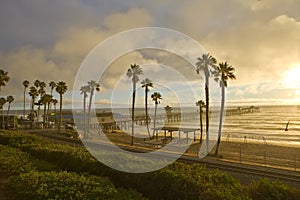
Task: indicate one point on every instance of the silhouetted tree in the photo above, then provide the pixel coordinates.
(33, 92)
(84, 90)
(205, 63)
(93, 85)
(26, 85)
(133, 72)
(222, 73)
(4, 78)
(146, 83)
(2, 102)
(200, 104)
(156, 97)
(61, 89)
(9, 99)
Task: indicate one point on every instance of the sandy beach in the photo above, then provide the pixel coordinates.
(250, 152)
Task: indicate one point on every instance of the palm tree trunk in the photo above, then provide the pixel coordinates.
(3, 126)
(201, 123)
(132, 114)
(146, 110)
(207, 112)
(8, 109)
(38, 113)
(44, 117)
(47, 114)
(49, 108)
(154, 120)
(60, 112)
(84, 112)
(221, 120)
(89, 113)
(55, 115)
(32, 114)
(24, 102)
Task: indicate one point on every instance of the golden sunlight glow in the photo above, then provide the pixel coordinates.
(292, 78)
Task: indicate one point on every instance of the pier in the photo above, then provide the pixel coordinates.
(112, 121)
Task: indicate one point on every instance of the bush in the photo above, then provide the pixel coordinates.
(14, 161)
(177, 181)
(129, 194)
(66, 185)
(271, 190)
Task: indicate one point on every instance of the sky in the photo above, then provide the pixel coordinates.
(50, 39)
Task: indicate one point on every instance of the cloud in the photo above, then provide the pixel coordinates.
(61, 60)
(133, 18)
(49, 40)
(258, 51)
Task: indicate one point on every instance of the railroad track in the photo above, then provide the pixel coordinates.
(240, 171)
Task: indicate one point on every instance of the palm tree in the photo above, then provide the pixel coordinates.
(146, 84)
(54, 101)
(204, 64)
(201, 104)
(2, 102)
(4, 78)
(26, 85)
(36, 83)
(93, 85)
(48, 111)
(9, 99)
(52, 85)
(61, 88)
(45, 100)
(134, 71)
(84, 90)
(156, 96)
(42, 91)
(33, 92)
(222, 74)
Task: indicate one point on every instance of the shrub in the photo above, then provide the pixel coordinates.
(129, 194)
(177, 181)
(14, 161)
(62, 185)
(271, 190)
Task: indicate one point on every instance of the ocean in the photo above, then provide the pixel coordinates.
(267, 126)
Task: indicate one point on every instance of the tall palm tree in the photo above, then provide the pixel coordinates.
(48, 110)
(146, 84)
(93, 85)
(61, 88)
(133, 72)
(26, 85)
(33, 92)
(36, 83)
(4, 78)
(85, 90)
(40, 85)
(205, 63)
(9, 99)
(45, 100)
(2, 102)
(200, 104)
(52, 85)
(222, 74)
(156, 97)
(54, 101)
